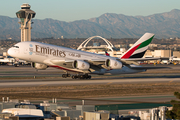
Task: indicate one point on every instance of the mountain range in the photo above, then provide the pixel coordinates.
(108, 25)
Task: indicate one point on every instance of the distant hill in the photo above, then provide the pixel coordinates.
(108, 25)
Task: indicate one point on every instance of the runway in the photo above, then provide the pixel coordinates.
(25, 82)
(49, 82)
(11, 76)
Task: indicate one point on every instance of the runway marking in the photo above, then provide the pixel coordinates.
(109, 83)
(43, 85)
(171, 81)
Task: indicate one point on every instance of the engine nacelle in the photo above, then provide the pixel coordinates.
(39, 66)
(79, 64)
(113, 64)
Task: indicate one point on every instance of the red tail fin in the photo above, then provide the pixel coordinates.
(107, 54)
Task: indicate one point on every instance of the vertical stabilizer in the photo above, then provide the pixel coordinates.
(139, 48)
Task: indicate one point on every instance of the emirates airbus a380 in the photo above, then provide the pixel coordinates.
(82, 63)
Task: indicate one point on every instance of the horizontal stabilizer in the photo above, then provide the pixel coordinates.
(135, 60)
(140, 59)
(141, 68)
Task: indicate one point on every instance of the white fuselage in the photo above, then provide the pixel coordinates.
(46, 53)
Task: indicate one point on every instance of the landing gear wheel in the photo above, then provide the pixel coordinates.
(86, 76)
(64, 75)
(89, 77)
(74, 76)
(81, 76)
(68, 75)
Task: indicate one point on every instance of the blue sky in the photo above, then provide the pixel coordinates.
(71, 10)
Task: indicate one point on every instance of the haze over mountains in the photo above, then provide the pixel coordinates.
(108, 25)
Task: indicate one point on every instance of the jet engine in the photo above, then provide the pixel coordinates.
(79, 64)
(113, 64)
(39, 66)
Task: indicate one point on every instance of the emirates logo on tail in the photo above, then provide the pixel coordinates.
(139, 48)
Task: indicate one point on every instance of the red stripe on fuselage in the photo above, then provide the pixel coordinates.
(130, 52)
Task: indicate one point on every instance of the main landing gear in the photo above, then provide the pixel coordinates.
(85, 76)
(66, 75)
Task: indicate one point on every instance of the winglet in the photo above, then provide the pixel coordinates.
(139, 48)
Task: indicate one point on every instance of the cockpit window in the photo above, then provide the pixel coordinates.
(16, 46)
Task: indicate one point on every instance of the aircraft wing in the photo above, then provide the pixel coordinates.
(98, 64)
(63, 63)
(95, 64)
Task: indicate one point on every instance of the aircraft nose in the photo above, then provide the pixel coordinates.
(10, 52)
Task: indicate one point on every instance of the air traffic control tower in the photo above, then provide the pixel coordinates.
(25, 15)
